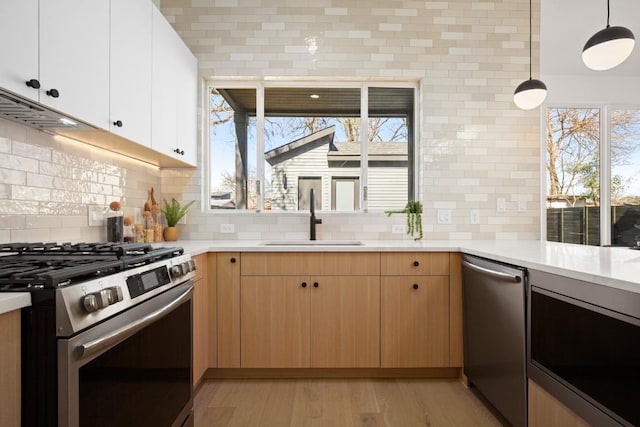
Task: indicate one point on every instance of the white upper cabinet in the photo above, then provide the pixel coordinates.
(19, 46)
(130, 97)
(115, 64)
(187, 102)
(174, 96)
(74, 58)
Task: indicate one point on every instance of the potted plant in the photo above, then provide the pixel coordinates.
(414, 219)
(173, 212)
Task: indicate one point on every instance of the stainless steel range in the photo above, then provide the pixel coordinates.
(107, 340)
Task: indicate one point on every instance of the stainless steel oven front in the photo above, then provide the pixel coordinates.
(133, 369)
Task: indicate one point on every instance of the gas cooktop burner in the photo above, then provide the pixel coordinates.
(31, 266)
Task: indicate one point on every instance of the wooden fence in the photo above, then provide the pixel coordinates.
(582, 225)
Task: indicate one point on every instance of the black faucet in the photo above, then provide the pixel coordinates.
(313, 221)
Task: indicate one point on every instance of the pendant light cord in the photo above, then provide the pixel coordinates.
(530, 30)
(608, 13)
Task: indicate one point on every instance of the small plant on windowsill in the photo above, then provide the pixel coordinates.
(173, 212)
(414, 218)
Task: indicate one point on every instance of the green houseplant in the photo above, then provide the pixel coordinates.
(413, 210)
(173, 212)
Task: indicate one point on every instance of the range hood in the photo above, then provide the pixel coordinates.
(32, 114)
(35, 115)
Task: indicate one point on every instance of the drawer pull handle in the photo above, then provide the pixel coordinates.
(316, 284)
(304, 284)
(233, 260)
(416, 263)
(415, 286)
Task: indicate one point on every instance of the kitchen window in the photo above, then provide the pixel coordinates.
(267, 139)
(593, 175)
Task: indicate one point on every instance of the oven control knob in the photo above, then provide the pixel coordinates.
(187, 267)
(96, 301)
(176, 270)
(192, 265)
(115, 294)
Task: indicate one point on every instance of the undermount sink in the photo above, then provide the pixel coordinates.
(312, 243)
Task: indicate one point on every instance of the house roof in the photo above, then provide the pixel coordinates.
(337, 151)
(297, 147)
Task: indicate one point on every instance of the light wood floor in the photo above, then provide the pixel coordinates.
(339, 402)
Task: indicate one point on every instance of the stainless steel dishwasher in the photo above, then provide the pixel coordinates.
(495, 334)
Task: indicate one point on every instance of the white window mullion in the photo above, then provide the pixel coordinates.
(260, 146)
(543, 173)
(605, 176)
(364, 147)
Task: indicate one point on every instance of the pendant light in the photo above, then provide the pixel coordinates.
(530, 93)
(608, 48)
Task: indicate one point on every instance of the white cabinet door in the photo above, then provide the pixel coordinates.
(74, 58)
(130, 97)
(174, 95)
(188, 105)
(19, 46)
(164, 127)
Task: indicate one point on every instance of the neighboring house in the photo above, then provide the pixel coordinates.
(222, 201)
(333, 170)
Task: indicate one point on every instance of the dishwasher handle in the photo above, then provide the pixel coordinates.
(497, 274)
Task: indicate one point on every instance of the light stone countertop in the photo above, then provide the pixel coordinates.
(613, 267)
(11, 301)
(617, 268)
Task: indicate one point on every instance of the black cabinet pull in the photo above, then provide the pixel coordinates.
(118, 123)
(415, 286)
(416, 263)
(53, 93)
(233, 260)
(304, 284)
(316, 284)
(33, 83)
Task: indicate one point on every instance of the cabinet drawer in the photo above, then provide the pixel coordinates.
(310, 264)
(414, 264)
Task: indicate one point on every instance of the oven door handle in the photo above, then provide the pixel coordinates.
(90, 348)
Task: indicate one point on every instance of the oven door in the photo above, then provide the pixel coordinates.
(134, 369)
(587, 356)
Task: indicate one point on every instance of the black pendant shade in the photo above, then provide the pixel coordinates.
(530, 93)
(608, 48)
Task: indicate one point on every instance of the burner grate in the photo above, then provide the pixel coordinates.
(49, 265)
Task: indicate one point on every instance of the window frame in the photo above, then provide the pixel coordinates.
(413, 179)
(604, 163)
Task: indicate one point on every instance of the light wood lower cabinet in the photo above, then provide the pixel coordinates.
(545, 410)
(200, 318)
(301, 322)
(421, 310)
(415, 321)
(319, 310)
(275, 321)
(335, 310)
(345, 322)
(10, 372)
(228, 307)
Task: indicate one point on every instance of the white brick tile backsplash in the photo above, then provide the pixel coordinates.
(468, 56)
